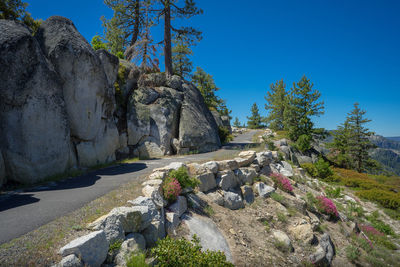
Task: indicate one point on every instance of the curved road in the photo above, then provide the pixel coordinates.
(25, 211)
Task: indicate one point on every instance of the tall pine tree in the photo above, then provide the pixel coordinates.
(181, 63)
(303, 104)
(358, 141)
(276, 102)
(236, 123)
(255, 120)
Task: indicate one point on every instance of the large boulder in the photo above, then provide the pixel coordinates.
(153, 119)
(91, 248)
(35, 136)
(86, 90)
(134, 243)
(197, 128)
(233, 200)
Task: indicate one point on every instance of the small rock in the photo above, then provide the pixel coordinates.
(255, 167)
(172, 221)
(325, 252)
(227, 165)
(70, 261)
(263, 158)
(226, 180)
(262, 189)
(233, 201)
(207, 181)
(212, 166)
(152, 182)
(283, 238)
(216, 197)
(179, 206)
(303, 232)
(133, 243)
(349, 199)
(246, 175)
(157, 175)
(91, 248)
(248, 195)
(155, 193)
(246, 158)
(155, 231)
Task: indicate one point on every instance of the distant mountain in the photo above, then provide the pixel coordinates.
(387, 153)
(394, 138)
(384, 142)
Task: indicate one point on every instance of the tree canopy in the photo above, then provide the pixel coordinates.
(276, 103)
(255, 120)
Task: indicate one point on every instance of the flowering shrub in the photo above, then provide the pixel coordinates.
(171, 188)
(370, 230)
(282, 182)
(325, 205)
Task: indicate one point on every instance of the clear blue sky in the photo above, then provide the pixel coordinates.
(350, 50)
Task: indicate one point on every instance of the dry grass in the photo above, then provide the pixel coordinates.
(39, 247)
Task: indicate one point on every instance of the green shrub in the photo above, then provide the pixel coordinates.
(310, 169)
(136, 260)
(387, 199)
(303, 143)
(278, 198)
(282, 217)
(394, 214)
(352, 253)
(224, 134)
(323, 169)
(176, 252)
(115, 246)
(183, 178)
(333, 192)
(379, 225)
(171, 188)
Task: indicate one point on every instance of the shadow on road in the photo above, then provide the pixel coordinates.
(87, 180)
(17, 200)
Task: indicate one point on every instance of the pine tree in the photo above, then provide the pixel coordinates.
(236, 123)
(255, 120)
(124, 28)
(276, 102)
(171, 10)
(351, 142)
(97, 43)
(205, 83)
(302, 105)
(181, 63)
(15, 10)
(358, 141)
(340, 146)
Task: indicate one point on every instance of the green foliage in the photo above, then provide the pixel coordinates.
(236, 123)
(303, 143)
(394, 214)
(323, 169)
(205, 83)
(282, 217)
(276, 103)
(379, 225)
(114, 35)
(209, 210)
(387, 199)
(320, 169)
(224, 134)
(115, 246)
(278, 198)
(97, 43)
(181, 63)
(302, 105)
(175, 252)
(354, 210)
(281, 246)
(255, 120)
(352, 253)
(15, 10)
(332, 192)
(136, 260)
(351, 142)
(183, 178)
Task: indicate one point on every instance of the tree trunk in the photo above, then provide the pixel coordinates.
(135, 33)
(167, 39)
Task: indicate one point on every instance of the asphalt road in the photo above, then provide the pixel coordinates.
(25, 211)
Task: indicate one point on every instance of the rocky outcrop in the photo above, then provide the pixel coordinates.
(64, 105)
(222, 121)
(35, 130)
(87, 90)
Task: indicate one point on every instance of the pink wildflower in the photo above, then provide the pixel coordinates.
(171, 188)
(325, 205)
(282, 182)
(370, 230)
